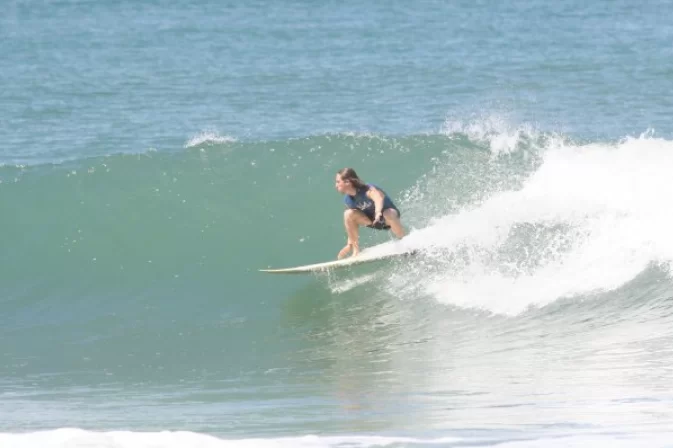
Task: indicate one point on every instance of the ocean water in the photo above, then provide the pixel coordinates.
(154, 155)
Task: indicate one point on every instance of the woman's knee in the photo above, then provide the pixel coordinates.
(356, 217)
(391, 213)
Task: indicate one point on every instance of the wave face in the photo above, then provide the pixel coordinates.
(503, 226)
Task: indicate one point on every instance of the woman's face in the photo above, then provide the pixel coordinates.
(341, 185)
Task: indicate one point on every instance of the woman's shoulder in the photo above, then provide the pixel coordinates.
(370, 187)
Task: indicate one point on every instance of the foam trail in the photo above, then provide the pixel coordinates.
(343, 286)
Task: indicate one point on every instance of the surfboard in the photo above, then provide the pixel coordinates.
(377, 253)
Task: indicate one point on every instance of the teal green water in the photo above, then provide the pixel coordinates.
(174, 241)
(154, 155)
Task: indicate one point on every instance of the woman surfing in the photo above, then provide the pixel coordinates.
(366, 205)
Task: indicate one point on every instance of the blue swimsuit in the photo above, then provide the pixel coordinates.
(361, 202)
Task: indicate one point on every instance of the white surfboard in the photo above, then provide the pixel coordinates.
(381, 252)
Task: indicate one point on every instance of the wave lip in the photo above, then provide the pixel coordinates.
(588, 219)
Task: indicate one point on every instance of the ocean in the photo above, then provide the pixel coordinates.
(155, 155)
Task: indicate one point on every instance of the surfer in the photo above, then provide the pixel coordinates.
(366, 205)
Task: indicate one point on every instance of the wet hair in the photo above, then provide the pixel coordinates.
(350, 175)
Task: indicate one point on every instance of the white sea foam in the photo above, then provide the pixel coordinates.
(208, 137)
(78, 438)
(496, 131)
(589, 219)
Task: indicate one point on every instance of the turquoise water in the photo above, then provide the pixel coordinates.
(154, 155)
